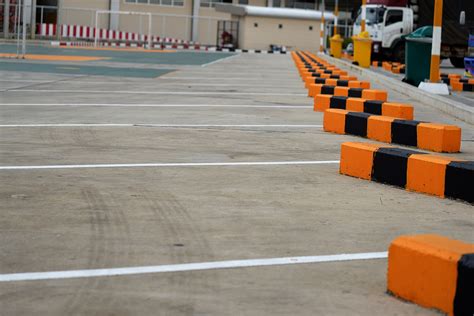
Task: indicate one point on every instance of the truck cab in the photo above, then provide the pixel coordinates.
(386, 25)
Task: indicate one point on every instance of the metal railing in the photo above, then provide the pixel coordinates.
(163, 25)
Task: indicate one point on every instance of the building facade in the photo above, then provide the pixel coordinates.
(188, 20)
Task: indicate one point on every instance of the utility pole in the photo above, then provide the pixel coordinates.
(436, 44)
(321, 35)
(23, 44)
(336, 16)
(364, 16)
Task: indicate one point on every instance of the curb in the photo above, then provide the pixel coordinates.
(453, 108)
(415, 171)
(426, 136)
(313, 88)
(338, 91)
(323, 102)
(432, 271)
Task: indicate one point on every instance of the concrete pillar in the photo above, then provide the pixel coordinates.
(33, 18)
(6, 18)
(195, 20)
(269, 3)
(114, 18)
(59, 19)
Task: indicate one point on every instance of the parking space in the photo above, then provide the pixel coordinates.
(222, 159)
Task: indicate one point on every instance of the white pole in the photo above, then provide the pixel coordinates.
(164, 26)
(186, 29)
(23, 44)
(96, 30)
(6, 18)
(150, 41)
(17, 26)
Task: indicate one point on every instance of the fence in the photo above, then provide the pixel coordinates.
(48, 18)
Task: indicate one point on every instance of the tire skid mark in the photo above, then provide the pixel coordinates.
(106, 247)
(184, 238)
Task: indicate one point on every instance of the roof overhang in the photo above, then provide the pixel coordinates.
(247, 10)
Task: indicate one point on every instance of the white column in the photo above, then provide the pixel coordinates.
(33, 19)
(59, 19)
(270, 3)
(6, 18)
(114, 18)
(195, 21)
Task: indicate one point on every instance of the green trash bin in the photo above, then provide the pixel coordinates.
(418, 55)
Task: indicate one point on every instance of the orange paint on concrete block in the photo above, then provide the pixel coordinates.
(359, 84)
(353, 84)
(426, 174)
(308, 80)
(322, 102)
(398, 110)
(331, 82)
(370, 94)
(348, 78)
(341, 91)
(326, 76)
(335, 121)
(380, 128)
(339, 72)
(457, 86)
(423, 269)
(314, 89)
(365, 85)
(439, 137)
(357, 159)
(355, 104)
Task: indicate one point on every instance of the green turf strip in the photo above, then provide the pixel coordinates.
(77, 69)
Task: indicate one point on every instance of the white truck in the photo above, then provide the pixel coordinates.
(388, 20)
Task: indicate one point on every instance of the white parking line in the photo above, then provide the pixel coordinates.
(248, 78)
(220, 60)
(50, 91)
(160, 125)
(189, 84)
(163, 105)
(178, 164)
(230, 264)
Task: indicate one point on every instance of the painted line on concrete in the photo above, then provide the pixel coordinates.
(220, 60)
(159, 125)
(162, 105)
(168, 165)
(283, 79)
(256, 85)
(154, 92)
(200, 266)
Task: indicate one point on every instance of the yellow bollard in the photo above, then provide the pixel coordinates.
(336, 46)
(362, 49)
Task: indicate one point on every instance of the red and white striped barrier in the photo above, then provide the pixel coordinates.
(88, 32)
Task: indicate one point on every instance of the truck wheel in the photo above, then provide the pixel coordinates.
(399, 53)
(457, 62)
